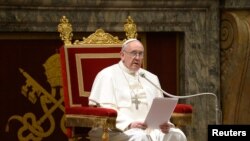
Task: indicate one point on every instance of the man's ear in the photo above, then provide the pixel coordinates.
(122, 55)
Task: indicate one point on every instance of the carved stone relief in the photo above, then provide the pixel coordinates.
(235, 67)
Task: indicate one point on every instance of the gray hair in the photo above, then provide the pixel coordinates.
(124, 45)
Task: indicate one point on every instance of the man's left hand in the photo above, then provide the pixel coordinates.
(166, 126)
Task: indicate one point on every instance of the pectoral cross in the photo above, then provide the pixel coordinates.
(136, 101)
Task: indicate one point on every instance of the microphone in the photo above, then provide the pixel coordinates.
(217, 110)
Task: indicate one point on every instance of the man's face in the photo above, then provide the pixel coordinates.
(132, 55)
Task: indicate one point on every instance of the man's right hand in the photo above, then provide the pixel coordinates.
(138, 124)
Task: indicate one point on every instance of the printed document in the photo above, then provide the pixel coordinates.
(160, 111)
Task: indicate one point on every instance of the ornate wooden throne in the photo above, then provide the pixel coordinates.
(81, 61)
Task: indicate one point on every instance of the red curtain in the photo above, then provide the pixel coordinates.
(162, 58)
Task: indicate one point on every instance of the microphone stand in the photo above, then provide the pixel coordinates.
(188, 96)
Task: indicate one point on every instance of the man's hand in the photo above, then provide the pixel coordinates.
(138, 124)
(166, 126)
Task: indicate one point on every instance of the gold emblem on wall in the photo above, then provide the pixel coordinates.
(33, 126)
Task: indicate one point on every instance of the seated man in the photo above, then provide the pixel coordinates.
(120, 87)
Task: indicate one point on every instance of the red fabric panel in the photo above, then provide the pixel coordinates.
(90, 69)
(64, 78)
(69, 132)
(95, 111)
(183, 108)
(92, 66)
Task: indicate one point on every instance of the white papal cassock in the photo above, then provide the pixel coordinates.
(131, 96)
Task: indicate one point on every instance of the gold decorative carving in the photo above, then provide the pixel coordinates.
(99, 37)
(181, 120)
(130, 28)
(65, 30)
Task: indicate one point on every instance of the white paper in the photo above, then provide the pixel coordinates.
(160, 111)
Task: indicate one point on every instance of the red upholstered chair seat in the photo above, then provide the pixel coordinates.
(182, 115)
(94, 111)
(183, 108)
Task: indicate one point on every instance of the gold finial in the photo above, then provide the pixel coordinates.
(99, 37)
(65, 30)
(130, 28)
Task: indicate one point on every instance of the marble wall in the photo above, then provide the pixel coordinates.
(197, 19)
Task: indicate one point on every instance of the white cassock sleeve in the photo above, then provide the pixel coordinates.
(102, 90)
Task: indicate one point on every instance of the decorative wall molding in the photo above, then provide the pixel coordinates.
(89, 15)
